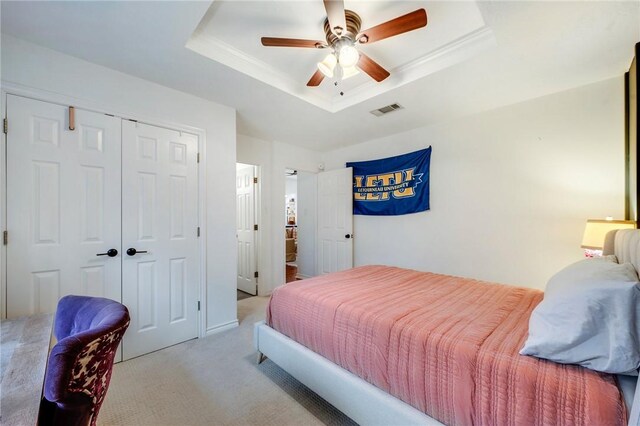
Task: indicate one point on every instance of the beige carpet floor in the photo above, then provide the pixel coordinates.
(213, 381)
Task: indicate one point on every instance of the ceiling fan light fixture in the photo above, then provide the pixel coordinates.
(327, 65)
(349, 72)
(348, 56)
(342, 29)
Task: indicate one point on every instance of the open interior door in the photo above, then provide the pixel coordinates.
(335, 221)
(245, 229)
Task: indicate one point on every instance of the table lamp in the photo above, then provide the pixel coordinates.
(595, 231)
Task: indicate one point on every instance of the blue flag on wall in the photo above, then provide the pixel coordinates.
(392, 186)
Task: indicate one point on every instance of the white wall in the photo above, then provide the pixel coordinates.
(307, 223)
(291, 185)
(91, 86)
(511, 188)
(273, 158)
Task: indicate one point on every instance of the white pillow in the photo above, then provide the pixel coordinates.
(590, 315)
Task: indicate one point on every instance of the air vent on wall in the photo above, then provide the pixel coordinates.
(386, 110)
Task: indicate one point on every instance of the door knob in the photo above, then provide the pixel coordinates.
(110, 253)
(348, 236)
(132, 252)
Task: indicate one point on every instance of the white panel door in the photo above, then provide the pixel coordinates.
(160, 259)
(63, 205)
(335, 220)
(245, 232)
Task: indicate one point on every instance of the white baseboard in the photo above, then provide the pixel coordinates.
(221, 327)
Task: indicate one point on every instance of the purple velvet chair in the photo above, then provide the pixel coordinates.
(88, 331)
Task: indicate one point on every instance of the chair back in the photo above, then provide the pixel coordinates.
(88, 331)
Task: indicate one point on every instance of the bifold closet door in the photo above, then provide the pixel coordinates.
(63, 205)
(160, 273)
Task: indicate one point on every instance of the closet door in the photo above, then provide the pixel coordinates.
(63, 205)
(160, 275)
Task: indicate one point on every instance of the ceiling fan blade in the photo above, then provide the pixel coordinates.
(409, 22)
(316, 79)
(371, 67)
(292, 42)
(336, 16)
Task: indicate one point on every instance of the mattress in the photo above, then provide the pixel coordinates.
(446, 345)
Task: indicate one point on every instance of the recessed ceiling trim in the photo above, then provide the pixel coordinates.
(450, 54)
(477, 40)
(227, 55)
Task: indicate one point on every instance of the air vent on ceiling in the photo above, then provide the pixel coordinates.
(386, 110)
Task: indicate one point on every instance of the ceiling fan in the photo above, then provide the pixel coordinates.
(342, 32)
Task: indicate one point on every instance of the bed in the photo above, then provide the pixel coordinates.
(388, 345)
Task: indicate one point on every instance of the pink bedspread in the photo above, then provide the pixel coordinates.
(446, 345)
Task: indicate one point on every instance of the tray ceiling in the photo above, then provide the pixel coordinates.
(541, 48)
(230, 33)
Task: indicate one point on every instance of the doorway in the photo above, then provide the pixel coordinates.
(300, 224)
(247, 208)
(107, 207)
(291, 225)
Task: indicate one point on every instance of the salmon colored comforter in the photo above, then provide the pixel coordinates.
(446, 345)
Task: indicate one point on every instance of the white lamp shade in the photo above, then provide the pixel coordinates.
(327, 65)
(348, 56)
(596, 230)
(349, 72)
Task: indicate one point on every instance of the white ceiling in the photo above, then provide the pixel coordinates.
(541, 48)
(230, 34)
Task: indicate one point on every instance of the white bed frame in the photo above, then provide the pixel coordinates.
(357, 398)
(369, 405)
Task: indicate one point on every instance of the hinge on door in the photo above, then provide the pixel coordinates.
(5, 126)
(5, 237)
(198, 157)
(255, 227)
(198, 305)
(255, 180)
(198, 231)
(255, 274)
